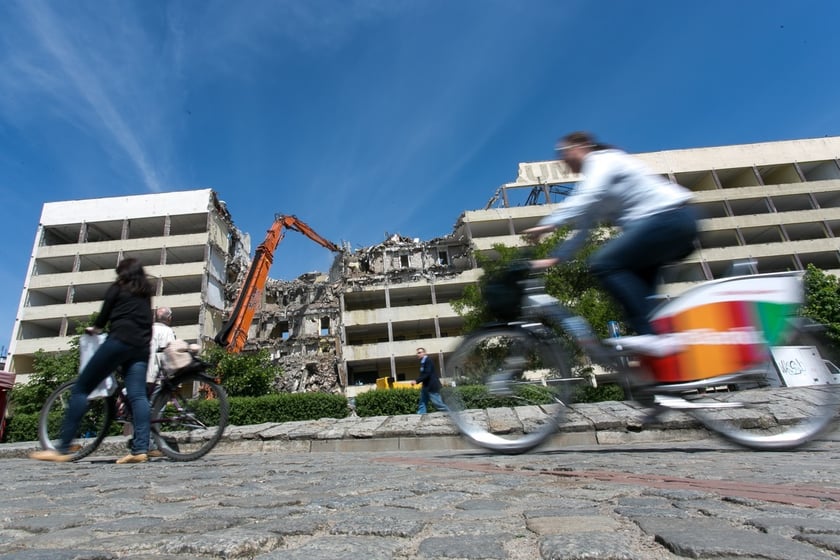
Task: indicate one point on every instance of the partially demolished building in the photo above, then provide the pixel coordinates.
(776, 204)
(344, 330)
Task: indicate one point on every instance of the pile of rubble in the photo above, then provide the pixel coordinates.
(309, 372)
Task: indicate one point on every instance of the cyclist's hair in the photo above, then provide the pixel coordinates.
(583, 138)
(132, 277)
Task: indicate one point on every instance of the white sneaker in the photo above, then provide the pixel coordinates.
(654, 345)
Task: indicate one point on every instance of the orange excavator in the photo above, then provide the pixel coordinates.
(234, 333)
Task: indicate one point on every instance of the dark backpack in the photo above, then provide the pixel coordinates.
(504, 291)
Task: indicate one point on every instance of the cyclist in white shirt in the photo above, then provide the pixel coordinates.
(658, 225)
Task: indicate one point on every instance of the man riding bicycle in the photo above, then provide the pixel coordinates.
(658, 226)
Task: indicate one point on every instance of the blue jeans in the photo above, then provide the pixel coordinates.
(111, 354)
(627, 265)
(426, 396)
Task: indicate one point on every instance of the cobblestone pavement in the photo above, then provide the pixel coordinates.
(698, 499)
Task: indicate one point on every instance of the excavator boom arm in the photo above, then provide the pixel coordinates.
(234, 334)
(291, 222)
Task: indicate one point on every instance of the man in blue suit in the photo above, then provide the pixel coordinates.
(431, 384)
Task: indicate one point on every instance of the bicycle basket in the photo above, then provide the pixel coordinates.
(176, 355)
(503, 293)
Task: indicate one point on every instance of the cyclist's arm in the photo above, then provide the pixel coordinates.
(582, 209)
(583, 204)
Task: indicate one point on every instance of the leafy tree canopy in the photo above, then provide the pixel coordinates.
(569, 282)
(246, 374)
(49, 371)
(822, 304)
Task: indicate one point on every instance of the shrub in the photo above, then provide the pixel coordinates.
(601, 393)
(478, 396)
(286, 407)
(388, 402)
(21, 427)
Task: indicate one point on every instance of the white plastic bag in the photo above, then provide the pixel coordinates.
(88, 345)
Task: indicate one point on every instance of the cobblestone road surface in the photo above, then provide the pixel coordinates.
(638, 501)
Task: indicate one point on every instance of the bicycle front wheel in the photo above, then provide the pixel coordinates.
(509, 387)
(788, 401)
(189, 416)
(93, 428)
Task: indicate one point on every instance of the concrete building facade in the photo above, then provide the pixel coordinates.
(183, 239)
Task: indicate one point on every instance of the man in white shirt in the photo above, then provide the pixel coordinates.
(162, 335)
(658, 227)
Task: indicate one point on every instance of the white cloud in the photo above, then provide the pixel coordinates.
(79, 68)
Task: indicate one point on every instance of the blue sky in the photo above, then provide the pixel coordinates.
(367, 117)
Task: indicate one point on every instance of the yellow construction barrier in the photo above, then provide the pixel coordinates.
(389, 383)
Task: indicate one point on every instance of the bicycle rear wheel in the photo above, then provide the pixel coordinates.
(93, 427)
(189, 416)
(783, 404)
(510, 387)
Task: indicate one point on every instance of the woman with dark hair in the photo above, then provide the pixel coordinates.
(128, 309)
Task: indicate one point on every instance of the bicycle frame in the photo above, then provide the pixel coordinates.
(123, 407)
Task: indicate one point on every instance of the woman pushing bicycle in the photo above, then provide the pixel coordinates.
(658, 227)
(127, 308)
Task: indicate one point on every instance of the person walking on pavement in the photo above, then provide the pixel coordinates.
(431, 384)
(162, 335)
(127, 308)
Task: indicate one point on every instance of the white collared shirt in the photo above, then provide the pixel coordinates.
(616, 187)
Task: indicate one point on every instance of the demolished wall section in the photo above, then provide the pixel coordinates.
(300, 321)
(403, 259)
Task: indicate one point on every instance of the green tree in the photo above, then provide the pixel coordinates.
(573, 284)
(472, 305)
(822, 304)
(246, 374)
(49, 371)
(569, 282)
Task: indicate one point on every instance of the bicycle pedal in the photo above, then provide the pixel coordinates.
(679, 403)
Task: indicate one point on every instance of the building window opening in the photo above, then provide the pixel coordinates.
(325, 326)
(363, 377)
(280, 330)
(403, 261)
(443, 258)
